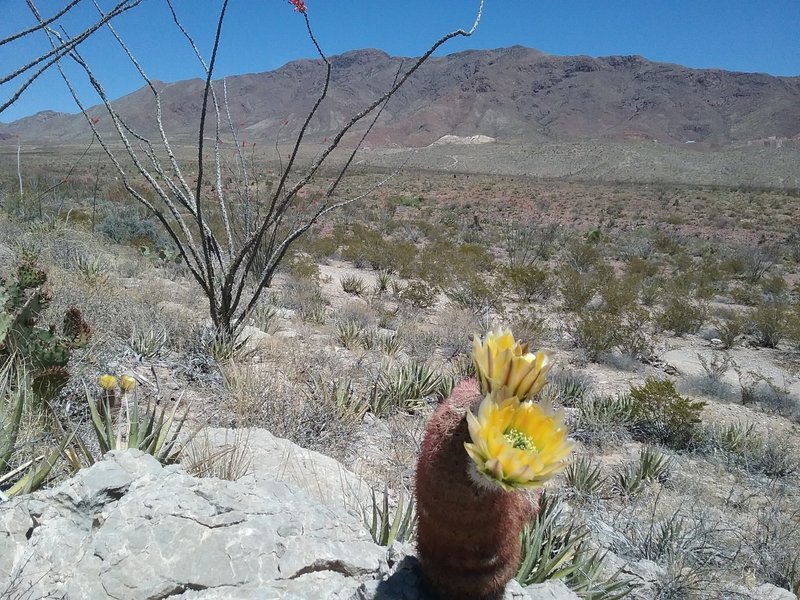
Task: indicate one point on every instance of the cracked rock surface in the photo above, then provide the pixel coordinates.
(129, 529)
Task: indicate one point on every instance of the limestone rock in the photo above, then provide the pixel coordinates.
(128, 528)
(320, 477)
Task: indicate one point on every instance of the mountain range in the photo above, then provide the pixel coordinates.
(514, 95)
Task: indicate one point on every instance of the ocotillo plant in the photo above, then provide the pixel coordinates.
(471, 468)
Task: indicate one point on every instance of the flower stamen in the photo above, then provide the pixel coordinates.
(520, 441)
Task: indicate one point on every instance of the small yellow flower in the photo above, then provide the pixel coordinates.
(516, 444)
(107, 382)
(127, 383)
(502, 362)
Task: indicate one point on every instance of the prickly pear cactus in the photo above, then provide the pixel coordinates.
(75, 329)
(43, 350)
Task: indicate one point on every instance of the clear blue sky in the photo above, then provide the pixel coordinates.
(260, 35)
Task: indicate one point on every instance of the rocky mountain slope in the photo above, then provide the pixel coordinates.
(512, 94)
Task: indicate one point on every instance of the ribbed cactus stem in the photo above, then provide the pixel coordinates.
(468, 535)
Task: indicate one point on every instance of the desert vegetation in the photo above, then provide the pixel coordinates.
(338, 308)
(676, 348)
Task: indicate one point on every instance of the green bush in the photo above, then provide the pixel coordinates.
(769, 324)
(641, 267)
(475, 294)
(446, 264)
(680, 315)
(528, 282)
(730, 324)
(576, 288)
(660, 414)
(595, 333)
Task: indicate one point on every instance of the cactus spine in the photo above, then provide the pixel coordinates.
(468, 537)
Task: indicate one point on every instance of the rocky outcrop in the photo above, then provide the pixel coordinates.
(128, 528)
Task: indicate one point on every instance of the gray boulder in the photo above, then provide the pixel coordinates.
(129, 529)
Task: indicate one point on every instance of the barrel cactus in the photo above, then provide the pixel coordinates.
(482, 446)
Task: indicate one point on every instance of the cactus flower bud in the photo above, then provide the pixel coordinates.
(107, 382)
(127, 383)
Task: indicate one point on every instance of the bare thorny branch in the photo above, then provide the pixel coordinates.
(221, 267)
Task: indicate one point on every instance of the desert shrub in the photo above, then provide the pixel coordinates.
(634, 339)
(769, 323)
(476, 294)
(711, 382)
(594, 332)
(651, 291)
(129, 225)
(742, 447)
(668, 243)
(619, 295)
(319, 247)
(305, 297)
(641, 267)
(322, 417)
(755, 262)
(747, 295)
(365, 247)
(581, 255)
(772, 545)
(660, 414)
(353, 284)
(527, 243)
(419, 294)
(444, 263)
(576, 288)
(680, 315)
(730, 325)
(302, 266)
(528, 282)
(530, 325)
(774, 287)
(455, 329)
(771, 395)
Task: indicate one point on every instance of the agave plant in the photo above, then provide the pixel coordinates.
(555, 547)
(17, 395)
(384, 528)
(126, 427)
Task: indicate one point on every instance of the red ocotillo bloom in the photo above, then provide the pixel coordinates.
(299, 5)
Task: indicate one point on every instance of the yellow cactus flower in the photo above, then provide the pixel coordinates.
(107, 382)
(127, 383)
(502, 362)
(516, 444)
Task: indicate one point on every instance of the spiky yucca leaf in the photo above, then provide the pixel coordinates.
(152, 433)
(384, 528)
(12, 404)
(556, 548)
